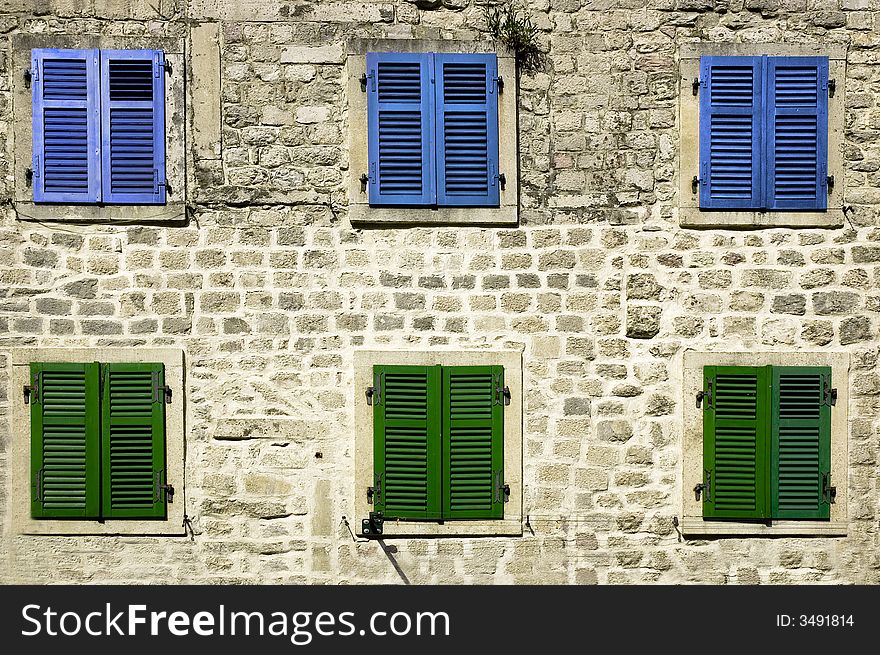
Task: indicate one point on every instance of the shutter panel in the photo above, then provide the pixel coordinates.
(401, 129)
(731, 133)
(65, 441)
(473, 438)
(801, 436)
(406, 447)
(467, 130)
(735, 442)
(133, 444)
(133, 126)
(66, 165)
(797, 133)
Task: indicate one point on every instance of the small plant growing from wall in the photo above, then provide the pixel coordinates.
(510, 24)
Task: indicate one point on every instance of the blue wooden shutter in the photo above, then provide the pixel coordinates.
(401, 129)
(731, 133)
(467, 130)
(65, 126)
(133, 126)
(797, 132)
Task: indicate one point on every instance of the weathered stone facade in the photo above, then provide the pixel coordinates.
(269, 291)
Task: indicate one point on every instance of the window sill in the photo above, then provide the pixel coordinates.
(360, 214)
(495, 528)
(695, 217)
(170, 212)
(694, 526)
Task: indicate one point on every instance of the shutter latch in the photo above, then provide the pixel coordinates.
(372, 527)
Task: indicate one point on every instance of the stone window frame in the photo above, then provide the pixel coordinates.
(174, 208)
(693, 524)
(690, 214)
(19, 496)
(511, 360)
(359, 210)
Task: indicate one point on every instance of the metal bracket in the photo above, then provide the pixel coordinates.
(830, 182)
(502, 491)
(159, 487)
(704, 395)
(27, 393)
(371, 393)
(502, 180)
(832, 87)
(695, 85)
(505, 393)
(506, 490)
(695, 184)
(372, 527)
(32, 390)
(369, 495)
(500, 82)
(169, 491)
(168, 69)
(29, 176)
(365, 179)
(163, 388)
(363, 81)
(829, 395)
(833, 397)
(829, 493)
(698, 489)
(28, 76)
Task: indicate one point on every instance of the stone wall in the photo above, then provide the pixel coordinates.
(269, 291)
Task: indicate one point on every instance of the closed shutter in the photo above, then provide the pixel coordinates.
(133, 126)
(65, 441)
(731, 133)
(473, 437)
(133, 445)
(66, 128)
(401, 129)
(797, 132)
(736, 442)
(801, 436)
(467, 130)
(406, 447)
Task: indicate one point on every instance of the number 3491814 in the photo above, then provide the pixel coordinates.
(815, 620)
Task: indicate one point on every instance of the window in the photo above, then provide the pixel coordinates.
(97, 447)
(432, 133)
(98, 126)
(98, 441)
(765, 444)
(433, 129)
(761, 135)
(438, 443)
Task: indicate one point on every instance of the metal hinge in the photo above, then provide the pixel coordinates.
(830, 182)
(374, 393)
(29, 176)
(695, 184)
(502, 180)
(164, 388)
(829, 394)
(695, 86)
(372, 527)
(502, 491)
(365, 179)
(364, 78)
(159, 488)
(705, 395)
(38, 485)
(832, 87)
(829, 493)
(32, 390)
(698, 489)
(369, 495)
(168, 69)
(28, 76)
(500, 82)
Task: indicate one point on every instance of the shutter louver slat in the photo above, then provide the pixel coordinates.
(731, 122)
(467, 118)
(473, 438)
(133, 441)
(797, 120)
(735, 442)
(401, 126)
(65, 441)
(133, 93)
(65, 126)
(801, 442)
(406, 446)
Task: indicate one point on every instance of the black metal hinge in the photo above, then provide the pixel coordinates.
(32, 390)
(168, 69)
(704, 395)
(364, 178)
(364, 79)
(369, 495)
(159, 488)
(832, 87)
(372, 527)
(830, 182)
(698, 489)
(502, 180)
(695, 184)
(29, 176)
(28, 76)
(163, 388)
(829, 493)
(695, 85)
(500, 82)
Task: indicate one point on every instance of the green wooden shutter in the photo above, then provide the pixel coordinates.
(133, 444)
(65, 441)
(406, 445)
(473, 439)
(736, 442)
(801, 438)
